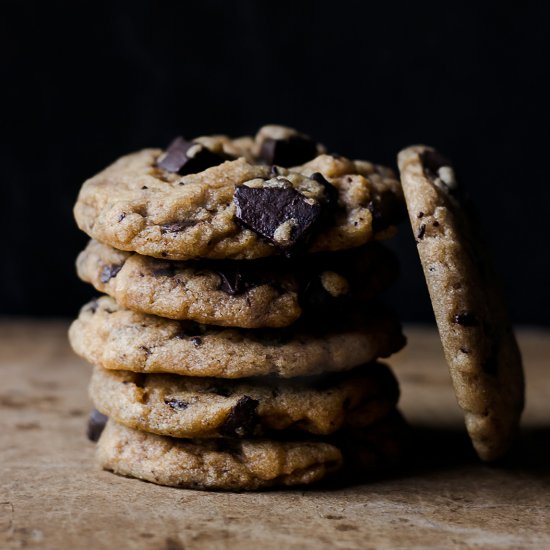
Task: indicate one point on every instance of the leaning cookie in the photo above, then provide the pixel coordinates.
(188, 407)
(216, 464)
(478, 340)
(196, 200)
(120, 339)
(248, 294)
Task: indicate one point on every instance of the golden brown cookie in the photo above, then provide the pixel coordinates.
(219, 199)
(180, 406)
(477, 336)
(248, 294)
(216, 464)
(116, 338)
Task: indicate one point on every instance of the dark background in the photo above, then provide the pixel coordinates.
(85, 82)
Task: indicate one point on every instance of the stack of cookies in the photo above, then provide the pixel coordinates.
(236, 346)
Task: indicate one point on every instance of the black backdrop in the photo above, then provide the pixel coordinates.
(84, 82)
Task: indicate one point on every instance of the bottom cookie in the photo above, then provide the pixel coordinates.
(216, 464)
(246, 465)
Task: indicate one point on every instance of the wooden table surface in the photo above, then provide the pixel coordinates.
(52, 495)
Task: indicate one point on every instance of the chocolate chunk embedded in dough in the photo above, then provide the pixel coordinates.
(282, 215)
(96, 423)
(188, 157)
(242, 420)
(292, 151)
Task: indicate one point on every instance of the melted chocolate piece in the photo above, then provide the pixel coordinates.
(109, 272)
(96, 424)
(466, 319)
(242, 420)
(421, 232)
(176, 404)
(291, 151)
(387, 209)
(188, 157)
(265, 209)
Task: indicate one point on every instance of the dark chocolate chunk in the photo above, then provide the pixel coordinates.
(291, 151)
(265, 209)
(197, 341)
(387, 209)
(109, 272)
(242, 419)
(176, 404)
(421, 231)
(121, 217)
(96, 424)
(234, 280)
(331, 193)
(466, 319)
(188, 157)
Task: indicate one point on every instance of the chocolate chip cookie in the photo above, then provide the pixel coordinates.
(477, 336)
(188, 407)
(112, 337)
(218, 199)
(248, 294)
(222, 464)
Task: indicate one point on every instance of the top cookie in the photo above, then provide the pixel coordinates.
(478, 340)
(238, 199)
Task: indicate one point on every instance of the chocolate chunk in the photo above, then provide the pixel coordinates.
(188, 157)
(387, 209)
(291, 151)
(109, 272)
(234, 280)
(281, 215)
(331, 193)
(197, 341)
(421, 231)
(96, 424)
(176, 404)
(242, 419)
(466, 319)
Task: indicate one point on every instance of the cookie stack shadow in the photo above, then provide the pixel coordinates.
(241, 374)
